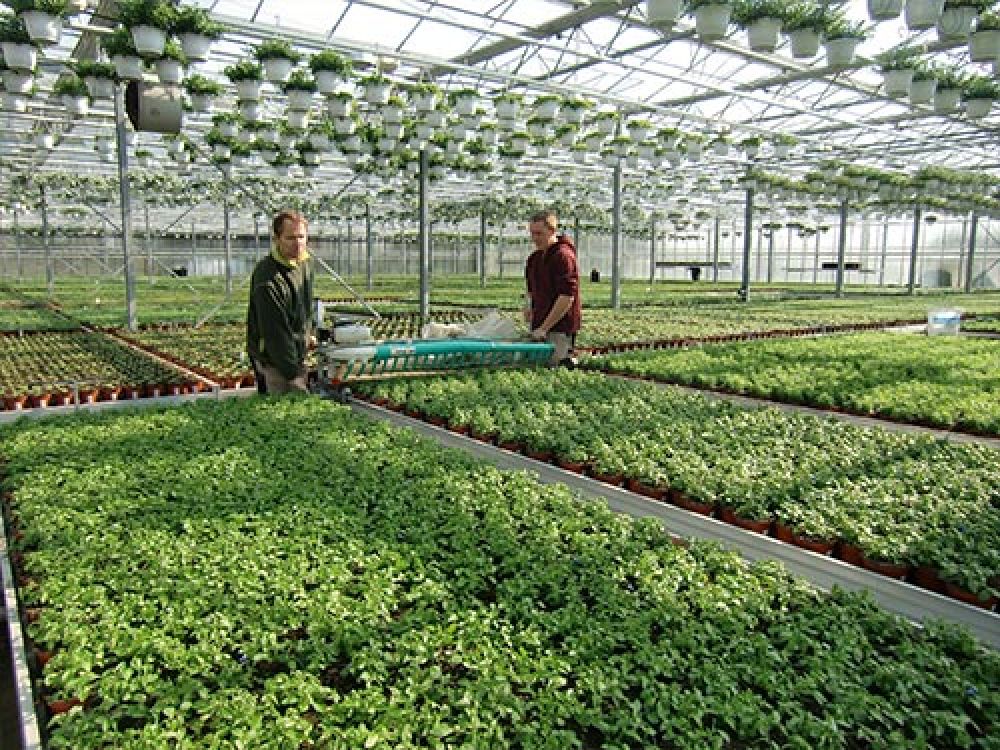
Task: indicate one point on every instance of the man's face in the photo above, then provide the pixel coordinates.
(292, 240)
(541, 234)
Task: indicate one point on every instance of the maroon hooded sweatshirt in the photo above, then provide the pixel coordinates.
(550, 273)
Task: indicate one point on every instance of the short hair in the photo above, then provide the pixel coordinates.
(547, 217)
(296, 217)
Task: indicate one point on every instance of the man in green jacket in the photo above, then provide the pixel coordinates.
(280, 316)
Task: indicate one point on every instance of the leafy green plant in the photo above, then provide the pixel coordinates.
(333, 61)
(980, 87)
(271, 49)
(119, 43)
(12, 29)
(70, 85)
(300, 80)
(191, 19)
(199, 84)
(157, 13)
(52, 7)
(88, 68)
(244, 70)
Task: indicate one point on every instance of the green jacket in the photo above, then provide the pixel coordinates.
(280, 317)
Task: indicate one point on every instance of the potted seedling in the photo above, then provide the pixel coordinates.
(606, 122)
(575, 108)
(804, 24)
(331, 71)
(149, 21)
(979, 94)
(221, 144)
(663, 14)
(18, 82)
(897, 67)
(720, 144)
(958, 16)
(922, 14)
(196, 31)
(783, 145)
(711, 18)
(762, 20)
(340, 104)
(884, 10)
(465, 101)
(300, 89)
(248, 77)
(376, 88)
(99, 77)
(121, 49)
(948, 93)
(924, 84)
(19, 52)
(43, 19)
(277, 58)
(202, 91)
(74, 94)
(508, 106)
(227, 124)
(984, 42)
(842, 38)
(424, 95)
(170, 67)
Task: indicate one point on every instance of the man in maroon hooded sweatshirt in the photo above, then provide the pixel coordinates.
(553, 279)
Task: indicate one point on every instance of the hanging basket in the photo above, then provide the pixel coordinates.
(711, 22)
(76, 105)
(128, 67)
(840, 52)
(18, 82)
(328, 82)
(946, 100)
(170, 72)
(20, 56)
(339, 107)
(248, 90)
(99, 87)
(196, 46)
(149, 40)
(977, 109)
(277, 69)
(884, 10)
(300, 100)
(14, 102)
(45, 141)
(984, 46)
(377, 93)
(804, 43)
(43, 28)
(250, 111)
(897, 82)
(202, 102)
(922, 14)
(763, 34)
(922, 91)
(298, 118)
(955, 23)
(663, 13)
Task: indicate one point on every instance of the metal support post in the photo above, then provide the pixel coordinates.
(149, 244)
(911, 286)
(716, 236)
(770, 254)
(841, 249)
(973, 231)
(369, 248)
(227, 245)
(747, 244)
(194, 250)
(50, 280)
(652, 250)
(616, 238)
(350, 237)
(126, 206)
(885, 250)
(423, 231)
(17, 244)
(481, 256)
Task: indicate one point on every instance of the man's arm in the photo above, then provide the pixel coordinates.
(559, 308)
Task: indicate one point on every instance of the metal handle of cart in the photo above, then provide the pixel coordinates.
(431, 354)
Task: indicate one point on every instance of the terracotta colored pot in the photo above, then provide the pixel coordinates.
(39, 401)
(682, 500)
(927, 577)
(957, 592)
(510, 445)
(109, 393)
(13, 402)
(850, 553)
(544, 456)
(613, 479)
(647, 490)
(576, 467)
(728, 515)
(899, 571)
(63, 706)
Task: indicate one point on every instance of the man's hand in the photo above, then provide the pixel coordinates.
(539, 334)
(526, 314)
(311, 342)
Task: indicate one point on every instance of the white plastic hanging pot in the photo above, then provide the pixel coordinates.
(466, 105)
(424, 102)
(100, 87)
(946, 100)
(884, 10)
(311, 158)
(663, 13)
(250, 111)
(148, 40)
(287, 141)
(202, 102)
(720, 148)
(327, 81)
(840, 52)
(922, 14)
(956, 23)
(782, 150)
(897, 82)
(377, 93)
(128, 67)
(547, 109)
(76, 105)
(343, 126)
(18, 82)
(573, 115)
(277, 69)
(45, 141)
(435, 119)
(228, 129)
(196, 46)
(391, 114)
(580, 156)
(977, 109)
(393, 130)
(14, 102)
(762, 34)
(507, 110)
(248, 90)
(319, 141)
(43, 28)
(712, 21)
(339, 107)
(20, 56)
(984, 46)
(922, 90)
(221, 151)
(804, 43)
(298, 118)
(299, 100)
(170, 72)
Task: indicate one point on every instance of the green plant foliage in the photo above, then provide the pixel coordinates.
(160, 14)
(270, 49)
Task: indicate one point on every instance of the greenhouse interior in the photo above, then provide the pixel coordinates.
(749, 499)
